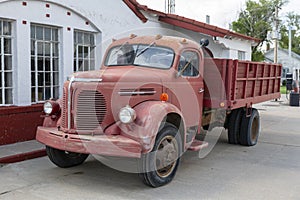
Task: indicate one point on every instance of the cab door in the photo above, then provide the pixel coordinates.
(190, 83)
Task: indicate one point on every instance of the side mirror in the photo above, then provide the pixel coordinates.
(204, 42)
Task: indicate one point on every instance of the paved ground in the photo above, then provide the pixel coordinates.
(270, 170)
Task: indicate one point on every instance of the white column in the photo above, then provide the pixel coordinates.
(22, 67)
(66, 55)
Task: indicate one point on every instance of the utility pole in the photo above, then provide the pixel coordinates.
(276, 36)
(170, 6)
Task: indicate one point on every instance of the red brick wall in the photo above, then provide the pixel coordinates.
(18, 124)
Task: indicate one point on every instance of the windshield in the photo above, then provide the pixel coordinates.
(142, 55)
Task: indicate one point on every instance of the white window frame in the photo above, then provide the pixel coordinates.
(91, 58)
(241, 55)
(52, 72)
(3, 71)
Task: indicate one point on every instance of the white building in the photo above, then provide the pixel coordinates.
(43, 42)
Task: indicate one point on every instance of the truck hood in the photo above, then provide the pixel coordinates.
(124, 74)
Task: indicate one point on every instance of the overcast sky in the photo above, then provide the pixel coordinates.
(221, 12)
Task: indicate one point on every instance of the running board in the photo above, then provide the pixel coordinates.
(197, 145)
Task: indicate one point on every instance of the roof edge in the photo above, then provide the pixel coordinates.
(186, 23)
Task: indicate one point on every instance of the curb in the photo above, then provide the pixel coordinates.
(23, 156)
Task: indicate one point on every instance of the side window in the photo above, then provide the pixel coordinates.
(189, 64)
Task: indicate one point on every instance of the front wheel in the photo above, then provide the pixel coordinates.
(65, 159)
(159, 167)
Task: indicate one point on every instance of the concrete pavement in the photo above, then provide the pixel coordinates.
(270, 170)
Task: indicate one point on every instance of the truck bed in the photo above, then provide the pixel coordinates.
(233, 84)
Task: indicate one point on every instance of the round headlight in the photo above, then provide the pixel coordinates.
(127, 115)
(48, 108)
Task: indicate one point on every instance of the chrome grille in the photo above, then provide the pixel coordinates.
(91, 110)
(64, 109)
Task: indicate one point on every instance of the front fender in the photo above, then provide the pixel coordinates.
(150, 115)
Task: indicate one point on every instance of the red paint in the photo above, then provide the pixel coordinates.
(48, 15)
(69, 13)
(23, 156)
(19, 124)
(47, 5)
(24, 22)
(69, 28)
(24, 3)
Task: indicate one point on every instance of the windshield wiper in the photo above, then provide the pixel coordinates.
(145, 49)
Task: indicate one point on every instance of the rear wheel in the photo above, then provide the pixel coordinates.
(234, 126)
(250, 128)
(159, 167)
(65, 159)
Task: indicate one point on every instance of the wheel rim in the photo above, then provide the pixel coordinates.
(166, 156)
(254, 129)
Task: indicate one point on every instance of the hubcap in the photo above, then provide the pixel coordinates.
(166, 156)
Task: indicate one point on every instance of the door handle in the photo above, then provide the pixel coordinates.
(201, 90)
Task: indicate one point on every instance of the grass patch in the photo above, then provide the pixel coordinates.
(283, 89)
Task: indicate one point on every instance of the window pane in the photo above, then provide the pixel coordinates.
(47, 34)
(47, 49)
(32, 63)
(47, 79)
(1, 100)
(7, 63)
(1, 83)
(80, 38)
(40, 49)
(40, 79)
(6, 28)
(1, 31)
(55, 64)
(87, 39)
(0, 44)
(32, 32)
(33, 94)
(39, 33)
(55, 35)
(92, 39)
(92, 53)
(55, 50)
(80, 65)
(32, 47)
(47, 93)
(56, 79)
(75, 65)
(7, 46)
(40, 64)
(8, 96)
(1, 66)
(86, 65)
(8, 79)
(80, 51)
(47, 64)
(33, 79)
(40, 94)
(86, 52)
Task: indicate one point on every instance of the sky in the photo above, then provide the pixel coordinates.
(222, 13)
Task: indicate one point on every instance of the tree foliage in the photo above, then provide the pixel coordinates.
(293, 21)
(256, 20)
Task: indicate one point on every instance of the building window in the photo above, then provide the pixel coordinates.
(6, 69)
(241, 55)
(84, 51)
(44, 63)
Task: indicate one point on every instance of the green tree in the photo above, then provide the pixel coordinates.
(292, 20)
(256, 20)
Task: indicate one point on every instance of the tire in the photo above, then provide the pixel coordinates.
(250, 128)
(234, 126)
(65, 159)
(156, 170)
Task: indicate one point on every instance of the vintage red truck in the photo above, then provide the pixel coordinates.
(150, 99)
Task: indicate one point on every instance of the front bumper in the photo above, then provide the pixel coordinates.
(106, 145)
